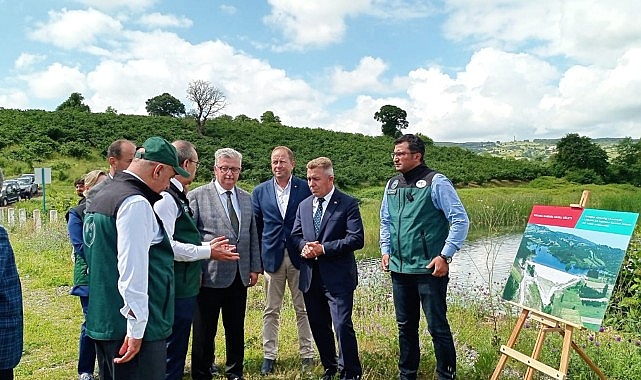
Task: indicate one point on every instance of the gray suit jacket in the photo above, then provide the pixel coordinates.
(212, 221)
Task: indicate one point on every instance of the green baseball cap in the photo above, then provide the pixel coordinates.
(160, 150)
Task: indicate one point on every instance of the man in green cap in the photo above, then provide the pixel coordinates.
(131, 267)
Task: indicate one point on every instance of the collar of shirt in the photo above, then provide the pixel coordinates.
(221, 191)
(177, 184)
(327, 198)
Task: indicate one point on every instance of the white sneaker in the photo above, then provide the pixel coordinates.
(85, 376)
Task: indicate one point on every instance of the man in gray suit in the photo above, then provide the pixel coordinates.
(222, 209)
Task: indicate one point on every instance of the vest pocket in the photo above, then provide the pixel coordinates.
(425, 250)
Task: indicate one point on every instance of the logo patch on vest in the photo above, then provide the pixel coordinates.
(89, 231)
(394, 184)
(421, 183)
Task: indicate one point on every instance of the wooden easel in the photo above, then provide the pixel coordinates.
(548, 323)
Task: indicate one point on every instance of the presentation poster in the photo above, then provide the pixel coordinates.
(568, 262)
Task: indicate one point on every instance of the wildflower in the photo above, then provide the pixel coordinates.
(597, 343)
(601, 329)
(638, 342)
(618, 338)
(591, 337)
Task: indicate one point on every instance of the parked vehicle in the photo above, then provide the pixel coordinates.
(10, 193)
(28, 189)
(31, 176)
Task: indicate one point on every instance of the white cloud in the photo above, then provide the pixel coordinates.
(26, 60)
(76, 29)
(56, 82)
(153, 63)
(313, 23)
(158, 20)
(588, 31)
(118, 4)
(365, 77)
(228, 9)
(13, 98)
(599, 101)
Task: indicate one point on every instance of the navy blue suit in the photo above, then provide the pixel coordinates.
(328, 282)
(274, 231)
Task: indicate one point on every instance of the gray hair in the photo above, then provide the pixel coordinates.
(228, 153)
(323, 163)
(184, 150)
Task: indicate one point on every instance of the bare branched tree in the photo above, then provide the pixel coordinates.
(208, 101)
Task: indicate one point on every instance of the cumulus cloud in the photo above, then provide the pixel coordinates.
(76, 29)
(365, 77)
(313, 23)
(118, 4)
(13, 98)
(26, 60)
(158, 20)
(56, 82)
(588, 31)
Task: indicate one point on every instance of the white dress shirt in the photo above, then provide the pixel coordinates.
(168, 211)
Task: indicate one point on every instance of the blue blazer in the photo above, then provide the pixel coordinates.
(273, 230)
(341, 233)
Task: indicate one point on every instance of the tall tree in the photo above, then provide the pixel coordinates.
(208, 100)
(393, 119)
(164, 105)
(269, 117)
(576, 152)
(74, 103)
(626, 166)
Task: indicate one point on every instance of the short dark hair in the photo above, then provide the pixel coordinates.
(79, 181)
(414, 143)
(115, 149)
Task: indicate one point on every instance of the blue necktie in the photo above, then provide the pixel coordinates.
(318, 215)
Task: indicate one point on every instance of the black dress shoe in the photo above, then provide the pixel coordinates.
(235, 377)
(267, 367)
(329, 374)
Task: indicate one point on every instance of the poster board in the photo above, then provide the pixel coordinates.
(568, 262)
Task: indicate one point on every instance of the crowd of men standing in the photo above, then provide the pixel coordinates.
(162, 257)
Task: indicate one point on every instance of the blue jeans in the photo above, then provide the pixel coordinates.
(178, 341)
(411, 291)
(87, 347)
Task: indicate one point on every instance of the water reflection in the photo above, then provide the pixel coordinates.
(470, 269)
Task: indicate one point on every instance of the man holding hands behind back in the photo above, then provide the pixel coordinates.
(423, 223)
(327, 231)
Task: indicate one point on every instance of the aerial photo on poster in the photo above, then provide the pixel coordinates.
(568, 262)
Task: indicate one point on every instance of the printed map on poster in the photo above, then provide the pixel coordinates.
(568, 262)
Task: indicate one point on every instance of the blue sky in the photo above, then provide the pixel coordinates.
(464, 70)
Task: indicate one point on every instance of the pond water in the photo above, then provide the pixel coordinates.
(470, 270)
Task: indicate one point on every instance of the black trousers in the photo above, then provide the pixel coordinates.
(148, 364)
(231, 301)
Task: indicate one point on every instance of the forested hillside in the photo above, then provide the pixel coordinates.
(31, 137)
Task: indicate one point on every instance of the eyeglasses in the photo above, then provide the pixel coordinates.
(399, 154)
(195, 162)
(225, 169)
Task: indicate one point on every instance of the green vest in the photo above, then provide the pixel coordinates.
(417, 228)
(187, 274)
(104, 320)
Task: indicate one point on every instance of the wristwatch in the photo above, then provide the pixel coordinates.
(448, 259)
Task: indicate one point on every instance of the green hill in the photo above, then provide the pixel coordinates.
(33, 138)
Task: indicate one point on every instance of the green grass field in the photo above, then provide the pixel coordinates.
(52, 317)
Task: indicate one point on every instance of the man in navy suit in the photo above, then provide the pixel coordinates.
(275, 202)
(327, 231)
